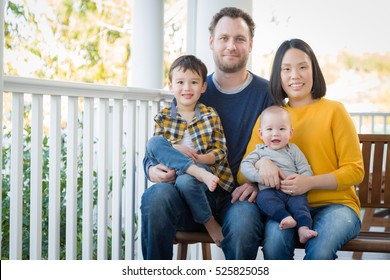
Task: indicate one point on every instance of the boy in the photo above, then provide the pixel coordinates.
(189, 138)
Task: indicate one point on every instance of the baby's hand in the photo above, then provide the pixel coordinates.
(269, 174)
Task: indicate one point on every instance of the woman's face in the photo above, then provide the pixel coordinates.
(297, 77)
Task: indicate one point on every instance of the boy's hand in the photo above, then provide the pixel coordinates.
(191, 153)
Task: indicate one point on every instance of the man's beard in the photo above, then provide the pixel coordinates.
(229, 68)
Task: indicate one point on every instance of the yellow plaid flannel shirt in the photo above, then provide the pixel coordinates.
(206, 134)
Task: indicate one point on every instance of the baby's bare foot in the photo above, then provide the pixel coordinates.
(287, 222)
(305, 234)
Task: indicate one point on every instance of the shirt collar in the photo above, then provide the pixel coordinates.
(174, 109)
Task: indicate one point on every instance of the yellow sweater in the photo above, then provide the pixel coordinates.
(327, 136)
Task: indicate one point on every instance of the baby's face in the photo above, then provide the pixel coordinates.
(275, 130)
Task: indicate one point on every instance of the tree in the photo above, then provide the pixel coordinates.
(79, 40)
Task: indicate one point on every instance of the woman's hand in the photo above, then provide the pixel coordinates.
(270, 175)
(295, 184)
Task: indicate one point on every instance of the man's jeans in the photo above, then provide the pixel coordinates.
(164, 211)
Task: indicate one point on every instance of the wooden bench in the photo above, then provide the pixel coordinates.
(374, 195)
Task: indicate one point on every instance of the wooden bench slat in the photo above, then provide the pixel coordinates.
(376, 242)
(386, 190)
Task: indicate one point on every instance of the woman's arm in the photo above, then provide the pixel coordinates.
(296, 184)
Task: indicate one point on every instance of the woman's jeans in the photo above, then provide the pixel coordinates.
(336, 224)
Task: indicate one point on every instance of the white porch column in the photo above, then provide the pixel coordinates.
(147, 44)
(1, 46)
(1, 62)
(1, 99)
(205, 9)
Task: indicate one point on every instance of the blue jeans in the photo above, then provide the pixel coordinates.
(336, 224)
(164, 211)
(159, 150)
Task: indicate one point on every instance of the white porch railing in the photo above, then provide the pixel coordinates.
(375, 123)
(105, 130)
(115, 123)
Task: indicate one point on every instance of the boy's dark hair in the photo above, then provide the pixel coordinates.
(276, 90)
(232, 12)
(189, 62)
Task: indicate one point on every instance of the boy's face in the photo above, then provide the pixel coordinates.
(187, 87)
(276, 130)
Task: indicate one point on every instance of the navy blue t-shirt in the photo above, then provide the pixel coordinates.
(238, 113)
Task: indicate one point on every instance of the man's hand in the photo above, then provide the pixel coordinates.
(160, 173)
(244, 191)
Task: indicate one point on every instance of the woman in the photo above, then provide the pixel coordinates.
(328, 138)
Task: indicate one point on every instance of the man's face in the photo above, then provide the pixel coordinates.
(231, 44)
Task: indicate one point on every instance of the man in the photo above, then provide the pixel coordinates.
(238, 97)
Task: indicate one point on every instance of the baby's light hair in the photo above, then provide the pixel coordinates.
(272, 109)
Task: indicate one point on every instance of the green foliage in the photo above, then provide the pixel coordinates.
(80, 40)
(369, 63)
